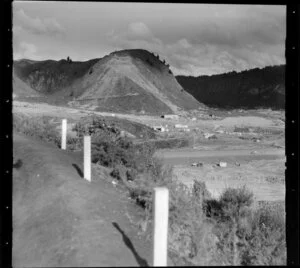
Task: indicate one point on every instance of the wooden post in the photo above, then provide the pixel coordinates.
(160, 236)
(87, 157)
(64, 134)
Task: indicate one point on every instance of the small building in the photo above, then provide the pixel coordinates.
(159, 128)
(181, 126)
(209, 136)
(170, 116)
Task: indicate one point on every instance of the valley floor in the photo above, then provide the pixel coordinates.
(259, 165)
(60, 219)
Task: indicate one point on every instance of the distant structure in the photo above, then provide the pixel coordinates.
(159, 128)
(181, 126)
(170, 116)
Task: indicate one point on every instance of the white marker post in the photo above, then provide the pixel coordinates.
(160, 236)
(87, 157)
(64, 134)
(193, 140)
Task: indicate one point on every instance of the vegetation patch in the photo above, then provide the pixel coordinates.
(170, 143)
(207, 231)
(202, 230)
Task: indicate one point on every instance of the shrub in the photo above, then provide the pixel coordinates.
(189, 228)
(234, 200)
(96, 126)
(153, 175)
(38, 127)
(246, 236)
(264, 238)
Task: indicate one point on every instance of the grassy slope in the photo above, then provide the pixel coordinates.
(62, 220)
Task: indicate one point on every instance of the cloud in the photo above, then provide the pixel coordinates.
(193, 39)
(236, 38)
(240, 26)
(135, 31)
(138, 30)
(25, 51)
(136, 35)
(46, 26)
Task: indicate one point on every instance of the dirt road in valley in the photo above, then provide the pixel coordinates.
(60, 219)
(187, 155)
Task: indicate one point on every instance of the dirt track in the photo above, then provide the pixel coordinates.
(188, 155)
(59, 219)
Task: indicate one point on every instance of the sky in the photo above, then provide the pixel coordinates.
(195, 39)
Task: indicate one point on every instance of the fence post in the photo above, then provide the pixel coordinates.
(64, 134)
(87, 157)
(160, 235)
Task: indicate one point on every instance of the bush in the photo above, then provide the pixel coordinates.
(38, 127)
(108, 148)
(233, 201)
(246, 236)
(188, 228)
(264, 238)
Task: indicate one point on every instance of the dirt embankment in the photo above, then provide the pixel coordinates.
(60, 219)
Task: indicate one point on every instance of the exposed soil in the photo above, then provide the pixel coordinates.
(131, 81)
(60, 219)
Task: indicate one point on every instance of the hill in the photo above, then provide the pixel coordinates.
(255, 88)
(60, 219)
(127, 81)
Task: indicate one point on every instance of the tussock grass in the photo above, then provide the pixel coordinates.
(40, 127)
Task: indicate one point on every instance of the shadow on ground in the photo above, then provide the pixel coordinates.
(78, 169)
(128, 243)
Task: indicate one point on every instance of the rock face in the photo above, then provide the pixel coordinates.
(131, 81)
(256, 88)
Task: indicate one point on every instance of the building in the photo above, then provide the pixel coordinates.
(181, 126)
(159, 128)
(170, 116)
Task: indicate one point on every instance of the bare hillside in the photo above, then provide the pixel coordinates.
(131, 81)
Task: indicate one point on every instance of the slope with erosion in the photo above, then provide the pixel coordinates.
(133, 81)
(23, 90)
(50, 76)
